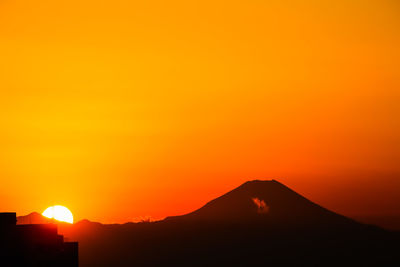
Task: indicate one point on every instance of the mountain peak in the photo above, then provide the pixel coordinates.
(261, 183)
(263, 200)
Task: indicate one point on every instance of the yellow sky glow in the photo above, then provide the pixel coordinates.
(131, 108)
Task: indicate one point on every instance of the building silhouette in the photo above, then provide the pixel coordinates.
(34, 244)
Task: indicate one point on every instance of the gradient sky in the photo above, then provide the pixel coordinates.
(121, 109)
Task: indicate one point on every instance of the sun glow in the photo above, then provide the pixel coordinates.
(59, 213)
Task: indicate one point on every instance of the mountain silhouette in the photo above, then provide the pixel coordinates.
(268, 201)
(37, 218)
(258, 223)
(33, 218)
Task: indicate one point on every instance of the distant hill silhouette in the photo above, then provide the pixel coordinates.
(33, 218)
(259, 223)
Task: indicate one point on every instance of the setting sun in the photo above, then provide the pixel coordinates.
(59, 213)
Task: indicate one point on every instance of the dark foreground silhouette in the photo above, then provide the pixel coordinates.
(260, 223)
(34, 245)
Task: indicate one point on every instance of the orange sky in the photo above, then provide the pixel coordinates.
(120, 109)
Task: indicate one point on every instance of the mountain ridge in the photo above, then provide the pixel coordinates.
(242, 204)
(257, 223)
